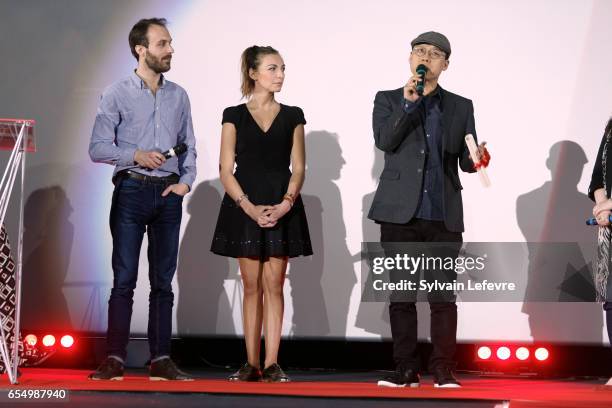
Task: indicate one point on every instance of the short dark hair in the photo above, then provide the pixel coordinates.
(138, 33)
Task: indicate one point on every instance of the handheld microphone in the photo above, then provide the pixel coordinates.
(421, 70)
(175, 151)
(593, 221)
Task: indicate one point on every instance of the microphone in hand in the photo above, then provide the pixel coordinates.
(593, 221)
(421, 70)
(175, 151)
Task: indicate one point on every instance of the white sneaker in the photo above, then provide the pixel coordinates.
(609, 383)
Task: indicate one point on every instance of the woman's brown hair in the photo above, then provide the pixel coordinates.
(251, 58)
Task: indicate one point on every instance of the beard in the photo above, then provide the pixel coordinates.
(158, 65)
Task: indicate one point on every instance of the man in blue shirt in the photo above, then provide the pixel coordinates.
(138, 118)
(418, 198)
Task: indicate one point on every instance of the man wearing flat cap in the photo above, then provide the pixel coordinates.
(418, 199)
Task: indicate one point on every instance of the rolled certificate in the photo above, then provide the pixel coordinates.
(482, 171)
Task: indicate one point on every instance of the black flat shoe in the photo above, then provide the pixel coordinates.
(246, 373)
(401, 378)
(445, 378)
(274, 373)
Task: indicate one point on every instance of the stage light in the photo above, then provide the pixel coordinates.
(484, 352)
(541, 354)
(503, 353)
(522, 353)
(513, 359)
(31, 340)
(67, 341)
(48, 340)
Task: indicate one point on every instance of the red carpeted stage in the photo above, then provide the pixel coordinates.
(499, 392)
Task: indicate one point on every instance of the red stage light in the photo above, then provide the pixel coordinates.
(541, 354)
(31, 340)
(522, 353)
(67, 341)
(503, 353)
(484, 353)
(48, 340)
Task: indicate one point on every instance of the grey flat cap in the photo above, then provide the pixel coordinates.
(434, 38)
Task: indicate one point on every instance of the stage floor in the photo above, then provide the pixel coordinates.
(312, 389)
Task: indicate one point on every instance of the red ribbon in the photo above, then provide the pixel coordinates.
(485, 158)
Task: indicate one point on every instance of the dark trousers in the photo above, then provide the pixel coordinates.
(608, 308)
(403, 315)
(138, 206)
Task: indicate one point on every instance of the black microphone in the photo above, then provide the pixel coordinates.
(593, 221)
(421, 70)
(175, 151)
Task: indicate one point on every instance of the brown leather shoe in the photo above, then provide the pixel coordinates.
(166, 370)
(110, 369)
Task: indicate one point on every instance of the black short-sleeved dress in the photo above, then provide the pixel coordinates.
(262, 170)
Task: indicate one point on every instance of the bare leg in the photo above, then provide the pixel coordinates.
(252, 307)
(274, 305)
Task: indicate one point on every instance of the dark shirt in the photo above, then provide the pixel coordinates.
(431, 203)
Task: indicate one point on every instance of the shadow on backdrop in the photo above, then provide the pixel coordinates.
(305, 278)
(48, 238)
(555, 212)
(373, 317)
(203, 307)
(61, 98)
(321, 285)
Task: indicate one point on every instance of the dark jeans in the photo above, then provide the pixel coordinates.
(138, 207)
(403, 315)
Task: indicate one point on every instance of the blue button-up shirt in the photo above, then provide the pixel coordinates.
(431, 204)
(130, 117)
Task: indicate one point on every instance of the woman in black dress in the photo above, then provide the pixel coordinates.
(262, 221)
(599, 191)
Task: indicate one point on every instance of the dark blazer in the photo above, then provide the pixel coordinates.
(402, 137)
(597, 180)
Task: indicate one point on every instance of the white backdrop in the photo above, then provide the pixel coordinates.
(537, 72)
